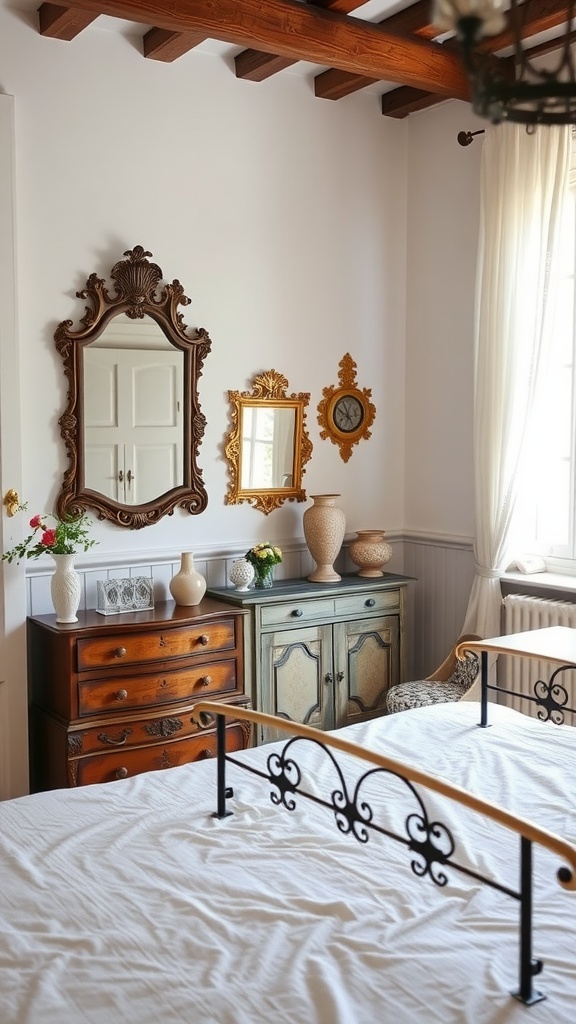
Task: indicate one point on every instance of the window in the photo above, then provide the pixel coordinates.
(546, 520)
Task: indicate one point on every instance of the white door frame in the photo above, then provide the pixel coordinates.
(13, 685)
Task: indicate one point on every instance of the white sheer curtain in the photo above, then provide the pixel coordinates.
(524, 181)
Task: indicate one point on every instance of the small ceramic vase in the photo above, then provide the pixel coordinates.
(188, 586)
(324, 526)
(65, 589)
(241, 574)
(370, 551)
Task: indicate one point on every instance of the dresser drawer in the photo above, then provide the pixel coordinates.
(297, 611)
(156, 645)
(361, 604)
(123, 764)
(125, 731)
(156, 688)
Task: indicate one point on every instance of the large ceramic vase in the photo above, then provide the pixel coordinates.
(324, 527)
(65, 589)
(188, 586)
(370, 551)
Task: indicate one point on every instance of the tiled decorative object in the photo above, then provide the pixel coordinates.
(128, 595)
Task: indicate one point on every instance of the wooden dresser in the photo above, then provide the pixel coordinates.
(111, 696)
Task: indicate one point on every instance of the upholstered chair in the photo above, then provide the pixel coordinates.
(451, 681)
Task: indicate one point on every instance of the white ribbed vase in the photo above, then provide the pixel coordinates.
(370, 551)
(324, 527)
(65, 589)
(188, 586)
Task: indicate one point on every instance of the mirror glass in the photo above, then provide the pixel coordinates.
(267, 457)
(133, 425)
(268, 446)
(133, 384)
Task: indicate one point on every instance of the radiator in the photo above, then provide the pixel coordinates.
(522, 613)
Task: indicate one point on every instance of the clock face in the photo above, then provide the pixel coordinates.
(348, 414)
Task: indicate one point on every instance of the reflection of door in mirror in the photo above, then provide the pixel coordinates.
(267, 435)
(133, 409)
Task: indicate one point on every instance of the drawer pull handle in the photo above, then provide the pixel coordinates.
(370, 602)
(123, 736)
(205, 680)
(204, 639)
(297, 613)
(121, 773)
(121, 694)
(206, 753)
(120, 652)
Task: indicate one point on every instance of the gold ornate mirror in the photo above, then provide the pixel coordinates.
(267, 447)
(133, 425)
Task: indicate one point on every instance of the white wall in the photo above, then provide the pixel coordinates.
(443, 212)
(283, 216)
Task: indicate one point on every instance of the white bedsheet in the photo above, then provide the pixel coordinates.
(129, 902)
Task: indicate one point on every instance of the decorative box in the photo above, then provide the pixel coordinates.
(130, 595)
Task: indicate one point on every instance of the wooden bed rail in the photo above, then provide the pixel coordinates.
(203, 711)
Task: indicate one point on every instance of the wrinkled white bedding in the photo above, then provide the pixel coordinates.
(128, 902)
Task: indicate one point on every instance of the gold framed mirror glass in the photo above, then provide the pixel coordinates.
(132, 425)
(268, 445)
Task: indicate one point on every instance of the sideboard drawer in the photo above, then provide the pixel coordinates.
(155, 645)
(123, 764)
(360, 604)
(297, 611)
(199, 681)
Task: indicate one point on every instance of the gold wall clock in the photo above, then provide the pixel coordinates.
(346, 412)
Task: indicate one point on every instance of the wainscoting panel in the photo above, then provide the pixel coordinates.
(444, 571)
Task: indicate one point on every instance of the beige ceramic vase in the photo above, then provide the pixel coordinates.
(324, 526)
(188, 586)
(370, 550)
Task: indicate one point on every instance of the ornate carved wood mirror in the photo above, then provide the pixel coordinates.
(133, 425)
(267, 447)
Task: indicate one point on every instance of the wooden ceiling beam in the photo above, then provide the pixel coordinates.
(295, 30)
(161, 44)
(334, 84)
(58, 22)
(256, 66)
(403, 101)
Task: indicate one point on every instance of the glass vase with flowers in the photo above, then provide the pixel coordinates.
(264, 557)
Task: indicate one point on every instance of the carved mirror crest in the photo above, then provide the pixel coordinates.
(132, 426)
(268, 446)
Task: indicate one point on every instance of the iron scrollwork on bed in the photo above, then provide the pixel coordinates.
(431, 844)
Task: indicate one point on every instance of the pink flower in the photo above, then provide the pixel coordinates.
(35, 522)
(48, 538)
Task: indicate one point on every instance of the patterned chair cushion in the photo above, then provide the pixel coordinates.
(419, 693)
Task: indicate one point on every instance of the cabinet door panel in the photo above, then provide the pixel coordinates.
(367, 664)
(297, 677)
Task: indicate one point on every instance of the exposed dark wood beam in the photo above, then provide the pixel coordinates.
(333, 84)
(287, 28)
(256, 66)
(63, 22)
(161, 44)
(403, 101)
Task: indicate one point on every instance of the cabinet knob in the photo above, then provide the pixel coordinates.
(370, 602)
(121, 694)
(206, 753)
(205, 680)
(328, 678)
(120, 652)
(204, 639)
(339, 677)
(121, 773)
(297, 613)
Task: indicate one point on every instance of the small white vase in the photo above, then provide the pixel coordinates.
(65, 589)
(241, 574)
(370, 550)
(324, 526)
(188, 586)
